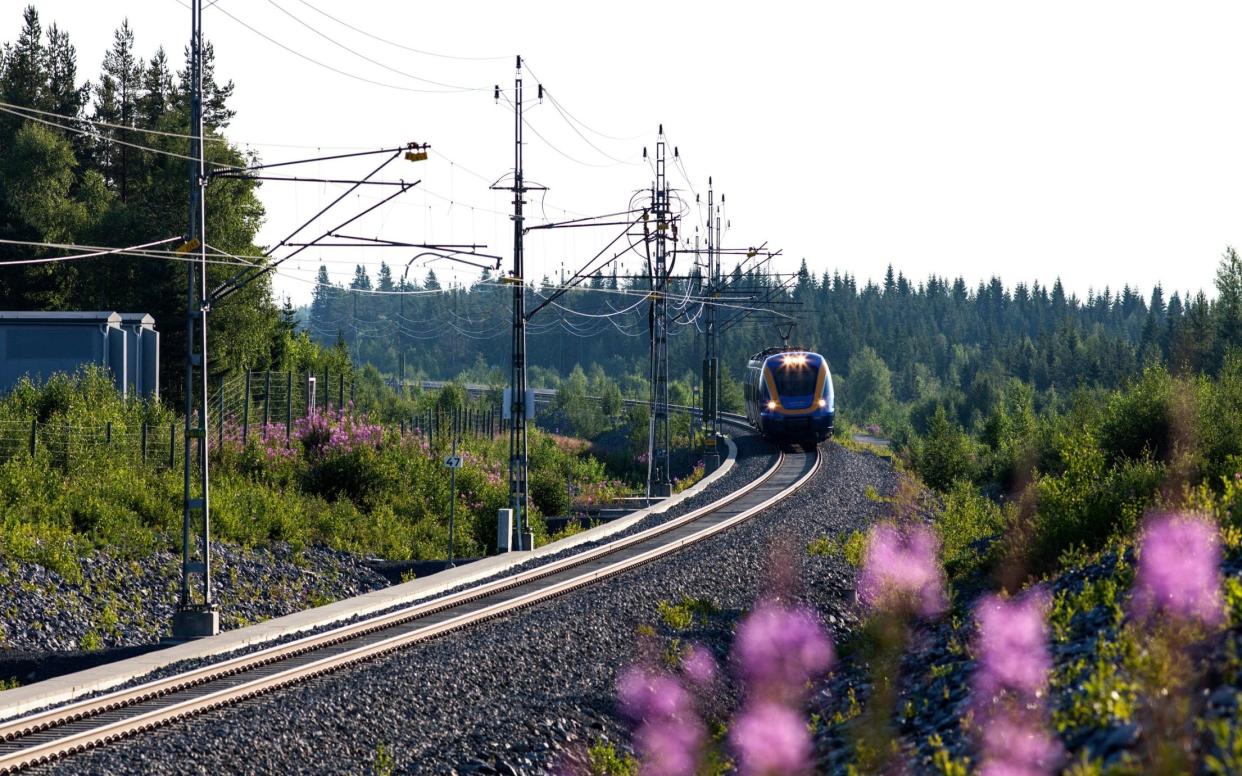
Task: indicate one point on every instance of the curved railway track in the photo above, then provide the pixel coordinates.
(42, 737)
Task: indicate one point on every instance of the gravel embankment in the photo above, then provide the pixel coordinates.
(520, 693)
(53, 623)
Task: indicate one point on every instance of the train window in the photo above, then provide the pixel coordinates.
(795, 380)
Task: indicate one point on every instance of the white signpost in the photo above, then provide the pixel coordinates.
(453, 462)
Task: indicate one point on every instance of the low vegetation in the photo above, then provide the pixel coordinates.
(344, 482)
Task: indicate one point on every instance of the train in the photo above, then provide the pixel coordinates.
(789, 395)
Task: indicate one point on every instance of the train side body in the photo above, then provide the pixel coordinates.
(789, 395)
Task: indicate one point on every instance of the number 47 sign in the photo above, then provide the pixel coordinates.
(453, 462)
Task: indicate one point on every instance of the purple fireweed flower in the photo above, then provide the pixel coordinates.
(699, 666)
(900, 571)
(1011, 747)
(652, 695)
(1179, 570)
(669, 747)
(777, 649)
(770, 739)
(1012, 646)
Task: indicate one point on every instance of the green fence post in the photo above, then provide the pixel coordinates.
(143, 441)
(340, 392)
(246, 413)
(34, 436)
(267, 401)
(220, 417)
(288, 407)
(108, 433)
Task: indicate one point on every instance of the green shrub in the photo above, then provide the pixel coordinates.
(548, 493)
(966, 524)
(851, 548)
(606, 761)
(945, 454)
(684, 614)
(1091, 502)
(1137, 422)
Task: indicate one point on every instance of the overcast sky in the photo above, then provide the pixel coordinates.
(1094, 141)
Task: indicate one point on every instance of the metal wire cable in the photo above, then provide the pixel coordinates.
(102, 138)
(526, 64)
(399, 45)
(326, 66)
(364, 57)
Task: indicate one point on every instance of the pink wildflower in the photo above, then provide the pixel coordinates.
(652, 695)
(900, 570)
(670, 736)
(1012, 646)
(699, 666)
(1011, 748)
(778, 649)
(670, 747)
(770, 739)
(1179, 570)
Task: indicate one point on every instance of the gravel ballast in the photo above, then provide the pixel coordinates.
(53, 622)
(521, 693)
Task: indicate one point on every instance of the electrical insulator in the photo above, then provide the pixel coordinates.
(496, 93)
(541, 92)
(644, 152)
(676, 154)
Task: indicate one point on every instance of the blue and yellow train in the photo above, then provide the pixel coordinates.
(789, 394)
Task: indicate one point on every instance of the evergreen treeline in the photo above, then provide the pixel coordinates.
(939, 341)
(73, 183)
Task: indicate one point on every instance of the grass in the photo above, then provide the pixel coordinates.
(684, 614)
(605, 760)
(384, 764)
(851, 548)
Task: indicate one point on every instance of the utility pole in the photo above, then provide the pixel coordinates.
(658, 482)
(518, 460)
(197, 614)
(711, 364)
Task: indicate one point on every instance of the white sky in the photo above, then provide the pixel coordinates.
(1093, 141)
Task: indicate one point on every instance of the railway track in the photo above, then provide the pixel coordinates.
(43, 737)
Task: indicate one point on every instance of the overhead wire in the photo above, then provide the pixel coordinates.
(526, 64)
(96, 251)
(103, 138)
(336, 70)
(552, 145)
(364, 57)
(373, 36)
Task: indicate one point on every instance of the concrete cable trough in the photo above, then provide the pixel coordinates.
(45, 736)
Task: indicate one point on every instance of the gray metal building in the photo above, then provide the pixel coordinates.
(39, 344)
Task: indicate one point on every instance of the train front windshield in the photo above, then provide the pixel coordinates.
(795, 380)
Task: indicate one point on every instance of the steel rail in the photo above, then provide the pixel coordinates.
(167, 709)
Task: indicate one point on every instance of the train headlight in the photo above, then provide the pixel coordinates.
(771, 405)
(823, 402)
